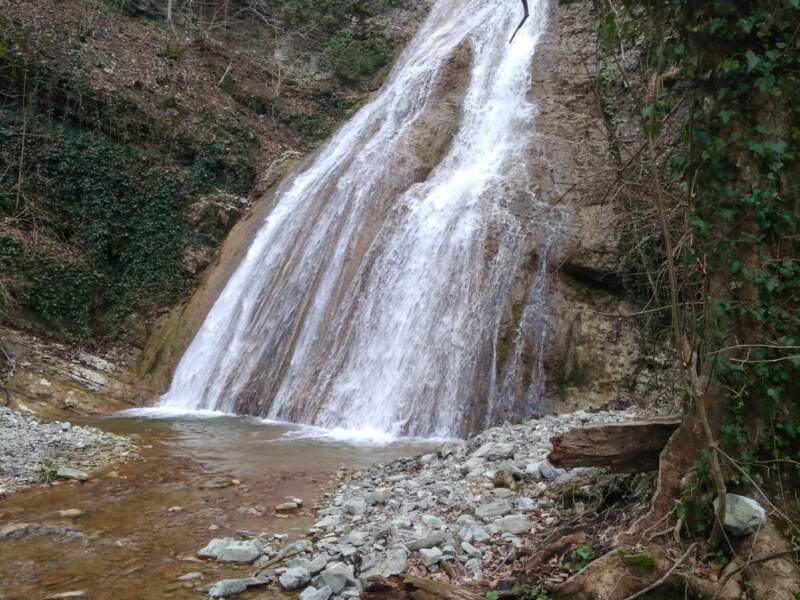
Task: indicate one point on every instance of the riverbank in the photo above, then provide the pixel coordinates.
(132, 530)
(33, 451)
(468, 513)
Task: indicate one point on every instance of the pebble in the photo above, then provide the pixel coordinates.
(442, 506)
(28, 444)
(70, 513)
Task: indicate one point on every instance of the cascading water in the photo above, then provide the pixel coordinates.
(372, 295)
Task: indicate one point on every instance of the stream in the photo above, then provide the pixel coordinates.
(143, 521)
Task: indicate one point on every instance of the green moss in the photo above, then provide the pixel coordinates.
(641, 561)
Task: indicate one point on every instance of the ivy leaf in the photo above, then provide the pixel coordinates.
(774, 393)
(793, 3)
(752, 60)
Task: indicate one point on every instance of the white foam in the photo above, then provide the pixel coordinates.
(172, 412)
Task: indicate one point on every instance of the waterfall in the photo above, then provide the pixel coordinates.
(372, 296)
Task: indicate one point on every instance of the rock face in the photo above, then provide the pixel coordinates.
(743, 515)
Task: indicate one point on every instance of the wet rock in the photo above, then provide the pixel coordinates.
(493, 509)
(287, 506)
(532, 471)
(312, 593)
(65, 595)
(70, 513)
(229, 550)
(743, 515)
(338, 576)
(430, 556)
(514, 524)
(495, 451)
(294, 578)
(227, 587)
(193, 576)
(70, 473)
(218, 483)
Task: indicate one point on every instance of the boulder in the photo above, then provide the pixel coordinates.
(743, 515)
(230, 550)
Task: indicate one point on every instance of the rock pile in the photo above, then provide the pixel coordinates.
(32, 451)
(457, 512)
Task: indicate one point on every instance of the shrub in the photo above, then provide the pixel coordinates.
(353, 59)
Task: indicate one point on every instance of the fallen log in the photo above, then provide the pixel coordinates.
(415, 588)
(627, 447)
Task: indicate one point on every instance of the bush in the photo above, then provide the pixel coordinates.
(354, 59)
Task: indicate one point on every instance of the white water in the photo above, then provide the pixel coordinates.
(367, 301)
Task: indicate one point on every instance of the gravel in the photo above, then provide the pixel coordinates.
(32, 451)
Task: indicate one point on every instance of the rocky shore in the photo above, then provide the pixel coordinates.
(33, 451)
(462, 513)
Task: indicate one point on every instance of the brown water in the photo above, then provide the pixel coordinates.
(128, 544)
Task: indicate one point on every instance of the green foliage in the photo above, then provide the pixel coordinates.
(327, 16)
(331, 108)
(353, 59)
(740, 65)
(579, 557)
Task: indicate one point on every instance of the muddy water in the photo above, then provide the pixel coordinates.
(143, 521)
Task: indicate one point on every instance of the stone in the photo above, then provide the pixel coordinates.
(743, 515)
(70, 513)
(427, 541)
(227, 587)
(294, 578)
(548, 471)
(312, 593)
(338, 576)
(426, 459)
(503, 478)
(328, 522)
(430, 556)
(393, 564)
(471, 464)
(233, 551)
(492, 510)
(495, 451)
(70, 473)
(193, 576)
(318, 563)
(355, 538)
(470, 550)
(401, 523)
(432, 521)
(532, 471)
(356, 506)
(525, 504)
(513, 524)
(286, 506)
(379, 496)
(65, 595)
(218, 483)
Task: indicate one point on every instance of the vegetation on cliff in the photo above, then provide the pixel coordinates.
(116, 121)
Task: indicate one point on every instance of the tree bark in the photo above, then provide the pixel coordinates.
(629, 447)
